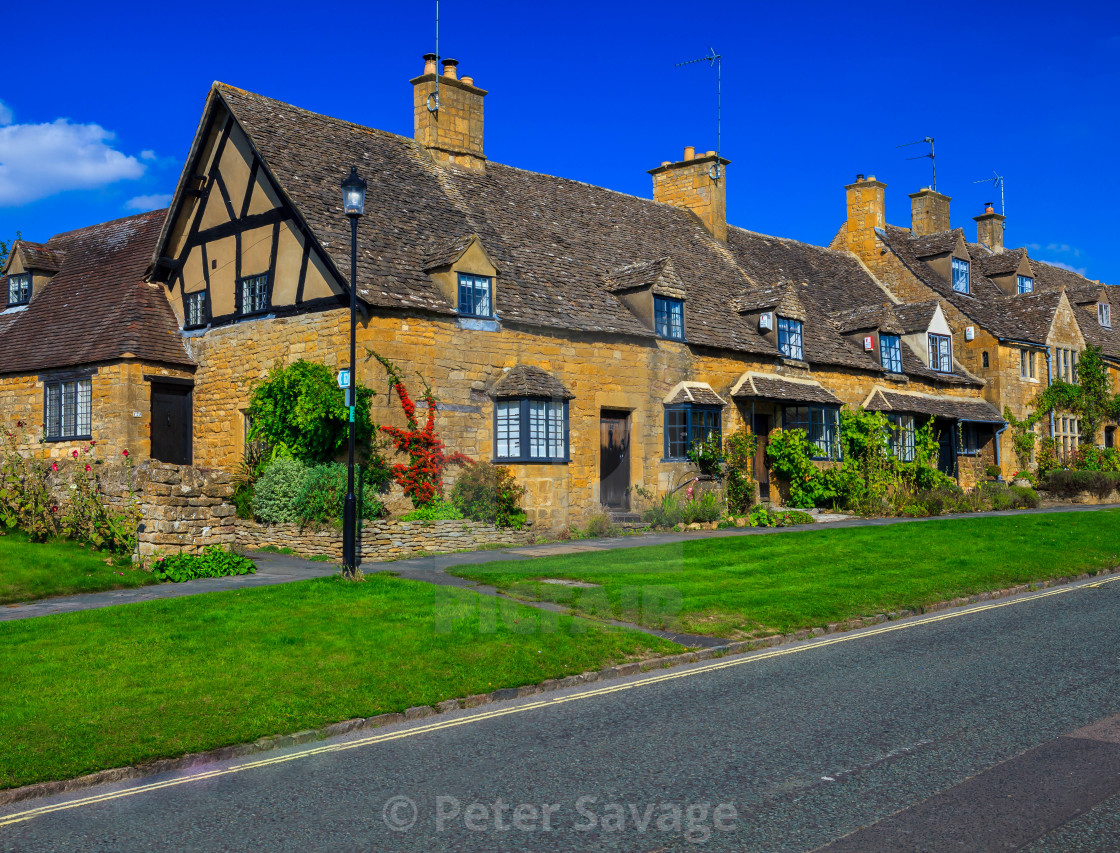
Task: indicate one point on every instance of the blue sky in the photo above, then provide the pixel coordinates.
(95, 123)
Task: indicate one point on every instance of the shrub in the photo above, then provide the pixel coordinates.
(1024, 497)
(992, 471)
(601, 527)
(435, 511)
(274, 496)
(299, 411)
(663, 513)
(761, 516)
(738, 454)
(703, 508)
(486, 492)
(793, 516)
(790, 453)
(214, 562)
(1089, 457)
(322, 495)
(1066, 484)
(938, 500)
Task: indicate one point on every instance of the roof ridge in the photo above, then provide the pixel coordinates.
(99, 225)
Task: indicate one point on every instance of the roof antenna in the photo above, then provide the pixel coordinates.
(997, 181)
(715, 59)
(434, 107)
(932, 156)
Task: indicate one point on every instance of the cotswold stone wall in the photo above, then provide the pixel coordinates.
(617, 374)
(387, 539)
(184, 508)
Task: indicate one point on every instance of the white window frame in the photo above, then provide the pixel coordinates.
(19, 289)
(962, 275)
(1104, 314)
(1025, 284)
(937, 357)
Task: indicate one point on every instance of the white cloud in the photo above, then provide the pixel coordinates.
(148, 202)
(1070, 267)
(148, 154)
(39, 160)
(5, 114)
(1065, 248)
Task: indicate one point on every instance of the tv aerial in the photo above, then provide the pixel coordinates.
(932, 156)
(715, 59)
(997, 182)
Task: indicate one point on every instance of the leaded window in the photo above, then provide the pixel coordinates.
(789, 338)
(902, 436)
(1104, 314)
(941, 353)
(890, 352)
(475, 295)
(1026, 363)
(531, 430)
(194, 307)
(821, 425)
(968, 438)
(688, 425)
(66, 409)
(1026, 284)
(19, 289)
(253, 294)
(960, 275)
(668, 317)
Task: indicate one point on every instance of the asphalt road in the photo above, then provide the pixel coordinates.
(982, 729)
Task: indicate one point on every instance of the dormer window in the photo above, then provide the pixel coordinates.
(474, 295)
(1026, 284)
(668, 317)
(941, 353)
(194, 309)
(960, 275)
(890, 353)
(1104, 314)
(789, 338)
(19, 289)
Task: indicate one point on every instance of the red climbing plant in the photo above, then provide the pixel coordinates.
(422, 477)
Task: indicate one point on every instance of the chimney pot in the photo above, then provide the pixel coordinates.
(665, 163)
(469, 81)
(709, 153)
(689, 152)
(860, 179)
(988, 207)
(430, 63)
(449, 68)
(871, 178)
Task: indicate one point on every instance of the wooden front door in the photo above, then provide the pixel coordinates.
(171, 423)
(946, 458)
(761, 427)
(614, 460)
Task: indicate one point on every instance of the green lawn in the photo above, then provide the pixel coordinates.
(120, 685)
(742, 586)
(32, 570)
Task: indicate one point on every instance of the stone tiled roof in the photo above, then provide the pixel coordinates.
(641, 274)
(771, 387)
(882, 317)
(915, 317)
(525, 380)
(97, 306)
(445, 251)
(699, 393)
(996, 263)
(564, 247)
(936, 244)
(956, 408)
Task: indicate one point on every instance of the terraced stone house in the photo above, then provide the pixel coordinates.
(1016, 322)
(583, 337)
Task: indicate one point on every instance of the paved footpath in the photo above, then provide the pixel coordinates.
(282, 568)
(990, 728)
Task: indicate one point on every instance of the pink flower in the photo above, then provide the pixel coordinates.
(75, 454)
(19, 423)
(88, 468)
(689, 493)
(54, 509)
(93, 444)
(124, 453)
(54, 466)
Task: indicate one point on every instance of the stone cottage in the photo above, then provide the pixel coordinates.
(583, 337)
(1016, 322)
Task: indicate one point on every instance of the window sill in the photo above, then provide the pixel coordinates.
(794, 362)
(533, 461)
(54, 439)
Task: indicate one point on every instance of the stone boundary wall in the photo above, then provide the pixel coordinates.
(384, 539)
(184, 508)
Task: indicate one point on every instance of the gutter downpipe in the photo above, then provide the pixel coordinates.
(1049, 382)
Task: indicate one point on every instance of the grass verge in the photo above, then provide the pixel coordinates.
(33, 570)
(121, 685)
(751, 585)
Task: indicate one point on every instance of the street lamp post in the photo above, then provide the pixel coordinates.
(354, 204)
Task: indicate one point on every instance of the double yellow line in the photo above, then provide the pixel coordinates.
(479, 716)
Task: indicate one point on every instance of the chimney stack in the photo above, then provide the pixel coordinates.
(866, 211)
(696, 183)
(989, 228)
(452, 129)
(929, 212)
